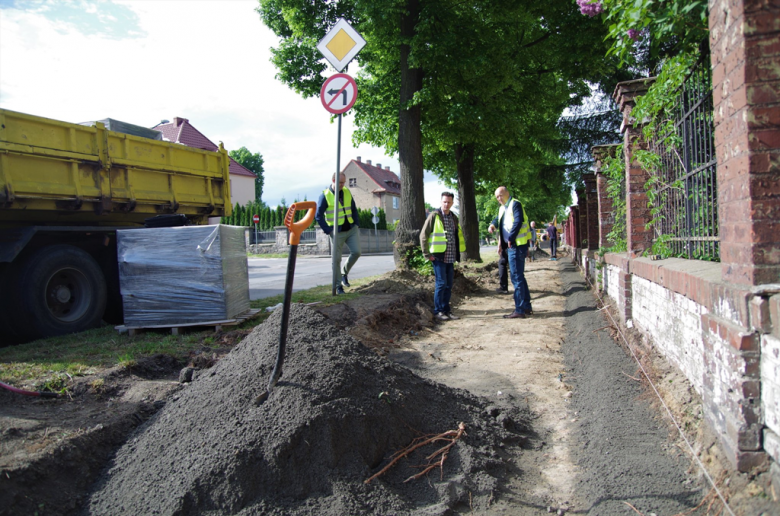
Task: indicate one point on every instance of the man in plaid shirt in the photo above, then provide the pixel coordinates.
(442, 242)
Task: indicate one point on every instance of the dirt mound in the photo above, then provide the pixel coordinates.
(335, 418)
(466, 281)
(399, 281)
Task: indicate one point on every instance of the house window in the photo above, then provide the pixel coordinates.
(352, 181)
(395, 203)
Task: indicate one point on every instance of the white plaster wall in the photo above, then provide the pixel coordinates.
(770, 382)
(612, 282)
(242, 190)
(674, 323)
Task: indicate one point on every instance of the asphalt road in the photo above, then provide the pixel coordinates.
(267, 275)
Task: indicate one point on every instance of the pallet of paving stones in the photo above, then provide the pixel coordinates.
(176, 329)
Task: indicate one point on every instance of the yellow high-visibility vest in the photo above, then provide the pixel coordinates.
(345, 209)
(509, 220)
(439, 237)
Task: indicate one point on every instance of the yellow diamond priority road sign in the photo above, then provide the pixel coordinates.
(341, 44)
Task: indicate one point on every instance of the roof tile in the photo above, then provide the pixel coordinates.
(183, 132)
(388, 182)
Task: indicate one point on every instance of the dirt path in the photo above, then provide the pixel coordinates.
(596, 447)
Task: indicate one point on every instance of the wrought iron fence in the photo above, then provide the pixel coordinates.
(685, 187)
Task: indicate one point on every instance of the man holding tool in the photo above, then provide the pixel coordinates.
(442, 242)
(514, 230)
(348, 231)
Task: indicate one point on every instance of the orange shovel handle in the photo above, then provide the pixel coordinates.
(296, 228)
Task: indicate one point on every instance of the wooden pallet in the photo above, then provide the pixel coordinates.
(176, 328)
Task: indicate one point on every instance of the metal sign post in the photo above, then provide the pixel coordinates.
(255, 219)
(336, 263)
(375, 220)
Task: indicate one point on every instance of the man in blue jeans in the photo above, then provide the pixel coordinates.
(442, 242)
(515, 231)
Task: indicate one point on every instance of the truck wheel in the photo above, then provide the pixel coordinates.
(62, 290)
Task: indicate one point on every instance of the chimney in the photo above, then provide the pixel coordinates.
(368, 161)
(378, 165)
(177, 121)
(387, 167)
(358, 159)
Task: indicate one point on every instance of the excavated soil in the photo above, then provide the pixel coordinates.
(337, 416)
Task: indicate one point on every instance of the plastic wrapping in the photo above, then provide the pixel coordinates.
(182, 275)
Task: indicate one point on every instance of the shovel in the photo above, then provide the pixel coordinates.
(295, 237)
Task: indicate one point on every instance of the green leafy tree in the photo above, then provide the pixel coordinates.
(475, 88)
(389, 28)
(254, 162)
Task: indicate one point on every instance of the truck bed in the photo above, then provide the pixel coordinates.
(58, 173)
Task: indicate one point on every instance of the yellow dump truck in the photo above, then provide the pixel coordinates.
(64, 191)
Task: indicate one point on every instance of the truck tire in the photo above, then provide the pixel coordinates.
(61, 290)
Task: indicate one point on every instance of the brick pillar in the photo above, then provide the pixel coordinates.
(592, 211)
(582, 221)
(574, 218)
(606, 215)
(637, 213)
(745, 49)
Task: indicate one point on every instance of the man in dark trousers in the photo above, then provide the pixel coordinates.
(442, 242)
(515, 231)
(552, 234)
(349, 231)
(503, 261)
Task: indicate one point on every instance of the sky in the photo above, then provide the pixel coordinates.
(143, 61)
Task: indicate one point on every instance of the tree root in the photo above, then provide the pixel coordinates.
(451, 435)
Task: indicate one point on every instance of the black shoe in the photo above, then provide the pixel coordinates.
(514, 315)
(502, 291)
(345, 281)
(340, 290)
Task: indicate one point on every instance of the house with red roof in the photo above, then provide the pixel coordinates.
(242, 180)
(374, 186)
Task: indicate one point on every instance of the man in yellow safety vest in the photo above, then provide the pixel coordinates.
(442, 242)
(515, 231)
(349, 230)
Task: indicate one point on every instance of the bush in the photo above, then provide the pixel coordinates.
(418, 262)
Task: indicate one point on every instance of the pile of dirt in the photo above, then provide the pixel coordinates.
(467, 280)
(399, 281)
(379, 321)
(336, 417)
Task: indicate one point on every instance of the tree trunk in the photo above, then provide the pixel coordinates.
(464, 155)
(407, 232)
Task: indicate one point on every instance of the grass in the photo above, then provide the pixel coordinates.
(48, 364)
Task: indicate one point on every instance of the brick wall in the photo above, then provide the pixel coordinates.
(720, 336)
(745, 49)
(592, 207)
(673, 322)
(719, 323)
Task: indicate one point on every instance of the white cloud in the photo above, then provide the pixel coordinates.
(207, 61)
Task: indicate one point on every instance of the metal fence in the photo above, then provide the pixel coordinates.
(263, 237)
(309, 236)
(685, 188)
